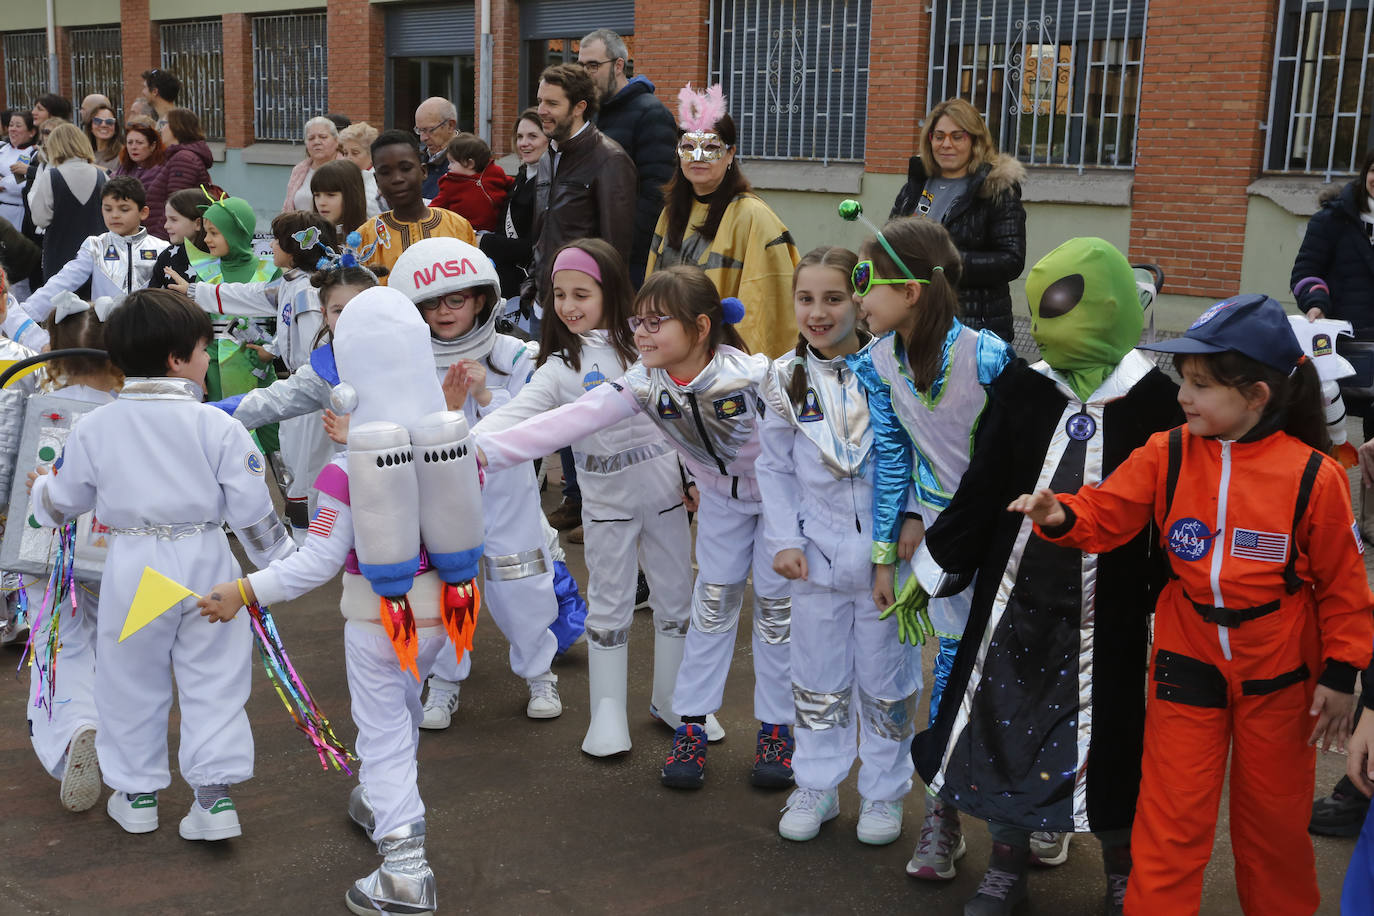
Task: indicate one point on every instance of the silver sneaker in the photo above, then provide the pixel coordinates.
(940, 846)
(404, 883)
(1049, 849)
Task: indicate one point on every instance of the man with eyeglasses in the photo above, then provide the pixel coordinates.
(436, 121)
(631, 115)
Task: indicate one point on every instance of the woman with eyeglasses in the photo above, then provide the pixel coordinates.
(960, 180)
(712, 218)
(107, 140)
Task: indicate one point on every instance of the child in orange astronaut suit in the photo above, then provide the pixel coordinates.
(1264, 624)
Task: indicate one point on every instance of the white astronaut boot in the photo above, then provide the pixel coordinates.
(403, 883)
(607, 675)
(668, 651)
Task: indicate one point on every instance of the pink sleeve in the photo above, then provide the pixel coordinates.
(603, 406)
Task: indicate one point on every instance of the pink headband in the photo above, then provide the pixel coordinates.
(574, 258)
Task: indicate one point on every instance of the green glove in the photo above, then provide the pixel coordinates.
(912, 610)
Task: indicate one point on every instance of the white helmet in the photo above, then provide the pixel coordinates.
(435, 267)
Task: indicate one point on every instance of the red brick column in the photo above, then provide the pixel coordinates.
(505, 74)
(1205, 89)
(357, 60)
(672, 44)
(64, 67)
(238, 79)
(898, 48)
(142, 46)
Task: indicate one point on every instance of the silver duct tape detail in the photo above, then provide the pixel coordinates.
(1093, 466)
(937, 582)
(12, 401)
(841, 433)
(175, 532)
(609, 464)
(773, 619)
(715, 608)
(723, 398)
(674, 628)
(515, 565)
(360, 809)
(890, 719)
(264, 534)
(608, 639)
(404, 876)
(159, 389)
(820, 711)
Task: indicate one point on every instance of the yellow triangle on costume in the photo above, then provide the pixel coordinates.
(156, 595)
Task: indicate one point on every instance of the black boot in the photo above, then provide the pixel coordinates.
(1341, 813)
(1116, 862)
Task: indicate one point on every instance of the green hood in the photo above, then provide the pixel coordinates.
(1085, 311)
(234, 218)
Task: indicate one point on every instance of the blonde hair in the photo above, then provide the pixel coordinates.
(361, 133)
(66, 142)
(967, 117)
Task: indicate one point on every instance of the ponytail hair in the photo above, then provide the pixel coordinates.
(685, 292)
(836, 258)
(928, 252)
(1295, 401)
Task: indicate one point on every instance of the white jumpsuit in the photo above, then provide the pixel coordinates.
(816, 473)
(165, 472)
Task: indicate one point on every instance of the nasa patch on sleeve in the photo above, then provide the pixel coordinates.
(254, 464)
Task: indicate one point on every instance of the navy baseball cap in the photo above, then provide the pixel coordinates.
(1252, 325)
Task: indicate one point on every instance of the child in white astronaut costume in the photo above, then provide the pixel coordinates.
(166, 508)
(632, 500)
(699, 388)
(852, 678)
(456, 290)
(13, 625)
(400, 512)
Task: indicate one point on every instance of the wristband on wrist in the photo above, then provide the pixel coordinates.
(242, 593)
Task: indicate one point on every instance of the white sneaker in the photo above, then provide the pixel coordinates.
(880, 822)
(135, 813)
(715, 733)
(219, 823)
(806, 810)
(544, 702)
(81, 779)
(441, 702)
(1049, 848)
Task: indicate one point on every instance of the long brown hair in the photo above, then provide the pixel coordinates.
(157, 152)
(184, 125)
(684, 292)
(617, 296)
(983, 150)
(678, 195)
(344, 176)
(927, 251)
(1295, 401)
(837, 258)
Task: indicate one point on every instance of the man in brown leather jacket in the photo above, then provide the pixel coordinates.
(586, 185)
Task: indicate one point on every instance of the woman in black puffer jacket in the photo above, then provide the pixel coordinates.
(960, 180)
(1333, 275)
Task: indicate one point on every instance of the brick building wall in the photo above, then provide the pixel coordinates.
(1205, 89)
(238, 79)
(357, 62)
(142, 45)
(505, 76)
(671, 45)
(896, 85)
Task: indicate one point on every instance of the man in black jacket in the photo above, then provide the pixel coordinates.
(633, 117)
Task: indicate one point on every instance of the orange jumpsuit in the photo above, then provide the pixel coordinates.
(1237, 655)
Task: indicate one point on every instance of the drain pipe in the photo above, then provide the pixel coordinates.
(483, 77)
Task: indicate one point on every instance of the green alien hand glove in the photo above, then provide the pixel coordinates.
(912, 610)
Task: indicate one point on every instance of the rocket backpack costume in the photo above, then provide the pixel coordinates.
(1056, 640)
(518, 568)
(400, 512)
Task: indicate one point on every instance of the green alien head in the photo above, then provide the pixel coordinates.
(1085, 311)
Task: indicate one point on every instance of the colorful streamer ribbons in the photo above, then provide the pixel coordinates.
(44, 642)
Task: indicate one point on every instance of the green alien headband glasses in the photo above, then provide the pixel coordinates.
(853, 211)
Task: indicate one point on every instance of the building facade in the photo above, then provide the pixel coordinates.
(1197, 136)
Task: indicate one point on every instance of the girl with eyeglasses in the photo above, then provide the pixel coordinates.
(926, 379)
(698, 384)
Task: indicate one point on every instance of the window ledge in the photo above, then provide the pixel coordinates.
(838, 178)
(216, 149)
(1298, 194)
(273, 153)
(1100, 187)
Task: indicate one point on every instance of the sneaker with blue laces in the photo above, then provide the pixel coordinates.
(773, 757)
(686, 764)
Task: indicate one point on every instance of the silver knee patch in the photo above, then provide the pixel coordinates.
(608, 639)
(773, 619)
(265, 534)
(891, 719)
(715, 608)
(515, 565)
(820, 711)
(674, 628)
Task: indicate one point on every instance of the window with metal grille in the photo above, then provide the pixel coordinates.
(290, 74)
(26, 67)
(795, 75)
(192, 52)
(1058, 81)
(97, 64)
(1319, 93)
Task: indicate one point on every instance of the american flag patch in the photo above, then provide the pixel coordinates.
(323, 525)
(1359, 541)
(1265, 546)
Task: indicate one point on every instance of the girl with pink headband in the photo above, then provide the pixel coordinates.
(632, 494)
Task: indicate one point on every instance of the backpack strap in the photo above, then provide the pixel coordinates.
(1175, 466)
(1291, 580)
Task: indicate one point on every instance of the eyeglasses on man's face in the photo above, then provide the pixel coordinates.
(426, 131)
